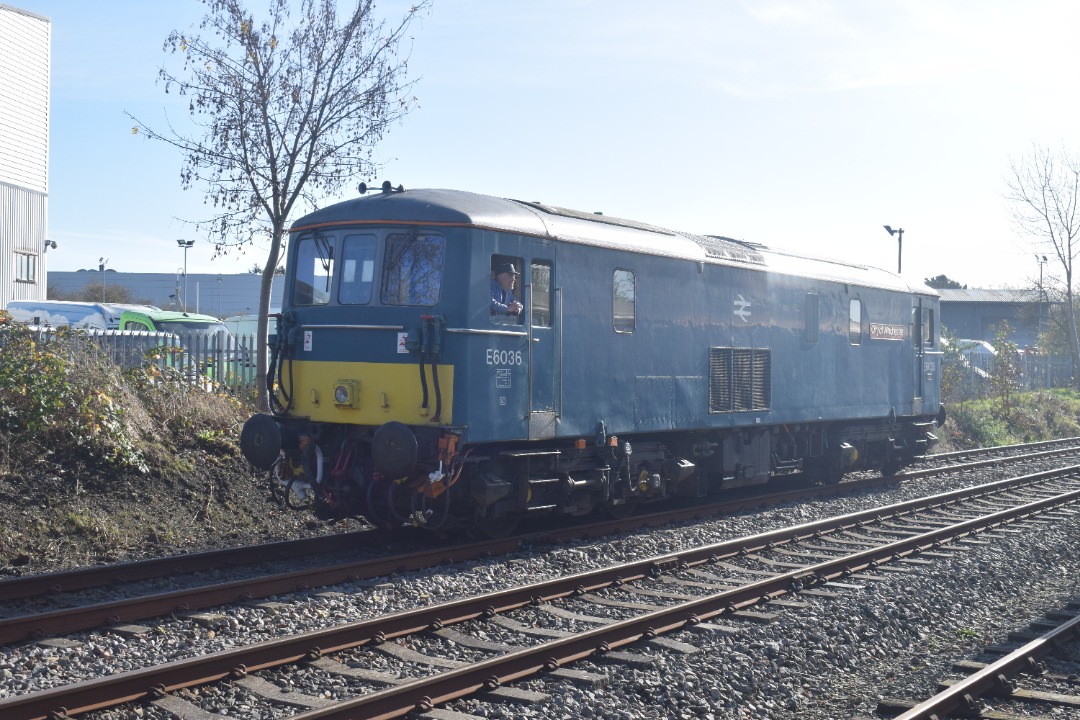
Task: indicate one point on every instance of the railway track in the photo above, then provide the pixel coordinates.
(44, 605)
(656, 596)
(1065, 444)
(1016, 684)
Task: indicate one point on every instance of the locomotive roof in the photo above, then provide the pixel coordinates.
(459, 208)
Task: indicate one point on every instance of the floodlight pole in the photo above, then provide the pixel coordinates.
(899, 233)
(186, 244)
(1042, 293)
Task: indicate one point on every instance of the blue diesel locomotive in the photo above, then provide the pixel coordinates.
(454, 360)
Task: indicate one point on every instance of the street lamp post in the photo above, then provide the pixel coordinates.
(185, 244)
(1042, 308)
(899, 245)
(1042, 292)
(101, 266)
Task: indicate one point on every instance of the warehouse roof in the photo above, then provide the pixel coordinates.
(1004, 295)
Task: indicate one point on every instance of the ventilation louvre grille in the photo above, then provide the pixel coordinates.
(739, 380)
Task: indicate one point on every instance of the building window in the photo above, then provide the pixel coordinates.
(25, 267)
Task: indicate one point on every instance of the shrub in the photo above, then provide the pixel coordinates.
(61, 396)
(1037, 415)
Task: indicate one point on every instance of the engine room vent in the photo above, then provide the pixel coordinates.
(594, 217)
(725, 248)
(740, 379)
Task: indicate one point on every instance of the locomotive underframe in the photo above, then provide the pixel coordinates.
(423, 476)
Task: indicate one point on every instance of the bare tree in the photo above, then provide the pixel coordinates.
(286, 111)
(1044, 189)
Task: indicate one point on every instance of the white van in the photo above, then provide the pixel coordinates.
(83, 315)
(248, 324)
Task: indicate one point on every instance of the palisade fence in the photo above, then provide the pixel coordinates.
(208, 362)
(219, 362)
(1031, 372)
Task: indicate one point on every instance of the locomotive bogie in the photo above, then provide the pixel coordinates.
(453, 360)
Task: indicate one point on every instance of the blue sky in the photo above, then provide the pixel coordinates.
(803, 124)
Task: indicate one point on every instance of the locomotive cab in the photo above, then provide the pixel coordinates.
(383, 321)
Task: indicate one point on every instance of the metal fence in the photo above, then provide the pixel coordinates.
(972, 373)
(219, 362)
(211, 362)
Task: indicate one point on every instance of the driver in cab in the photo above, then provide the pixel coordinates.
(503, 300)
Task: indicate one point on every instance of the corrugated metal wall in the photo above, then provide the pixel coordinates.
(24, 150)
(24, 99)
(23, 222)
(221, 295)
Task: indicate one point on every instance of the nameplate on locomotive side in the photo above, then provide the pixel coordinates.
(882, 331)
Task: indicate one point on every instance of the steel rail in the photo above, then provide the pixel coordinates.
(964, 693)
(976, 464)
(146, 682)
(81, 579)
(41, 585)
(86, 617)
(434, 690)
(998, 448)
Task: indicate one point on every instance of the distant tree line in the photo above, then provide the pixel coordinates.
(96, 292)
(257, 269)
(943, 282)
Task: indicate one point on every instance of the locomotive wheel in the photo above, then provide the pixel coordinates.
(830, 474)
(620, 511)
(824, 470)
(496, 528)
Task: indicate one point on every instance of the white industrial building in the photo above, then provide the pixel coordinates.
(24, 153)
(211, 294)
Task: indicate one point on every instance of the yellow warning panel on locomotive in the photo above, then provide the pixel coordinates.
(369, 393)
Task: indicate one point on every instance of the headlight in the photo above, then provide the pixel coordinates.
(347, 393)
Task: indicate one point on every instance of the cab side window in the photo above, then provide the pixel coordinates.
(413, 269)
(314, 270)
(811, 318)
(541, 293)
(624, 301)
(507, 293)
(855, 322)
